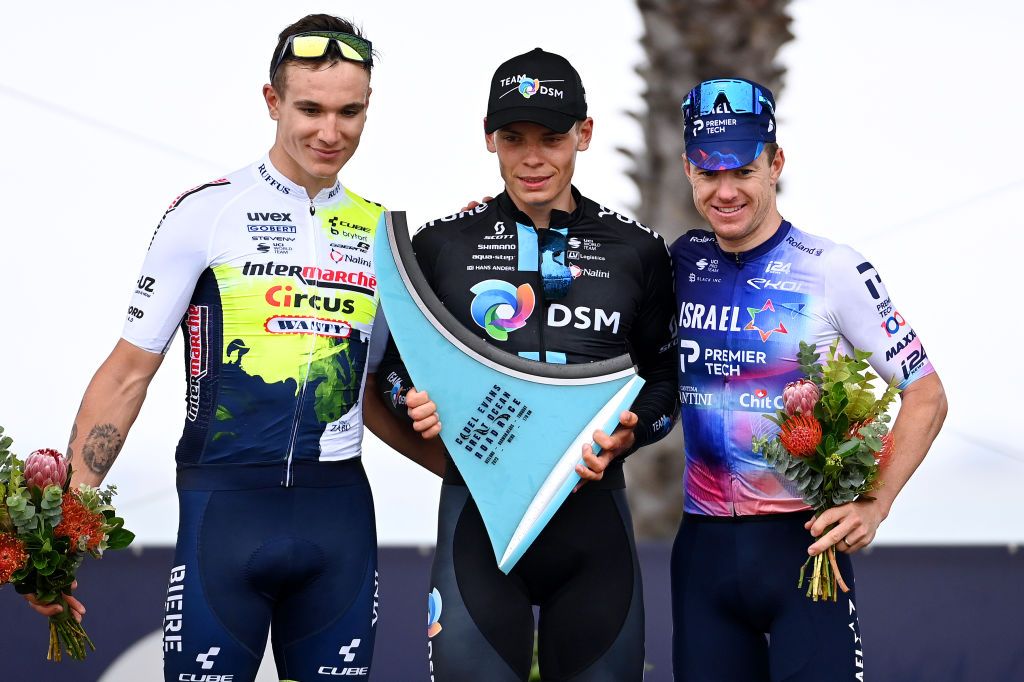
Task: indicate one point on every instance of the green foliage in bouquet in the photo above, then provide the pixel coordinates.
(854, 427)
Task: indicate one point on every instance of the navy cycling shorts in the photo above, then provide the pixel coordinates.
(298, 561)
(738, 614)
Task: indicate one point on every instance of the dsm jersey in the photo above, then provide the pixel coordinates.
(741, 318)
(487, 266)
(275, 294)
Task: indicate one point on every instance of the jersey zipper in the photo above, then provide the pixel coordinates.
(297, 418)
(542, 353)
(727, 391)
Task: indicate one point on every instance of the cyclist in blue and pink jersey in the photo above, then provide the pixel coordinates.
(269, 273)
(748, 292)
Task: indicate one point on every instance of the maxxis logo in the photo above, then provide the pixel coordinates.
(500, 307)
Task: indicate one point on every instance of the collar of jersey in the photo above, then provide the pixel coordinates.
(324, 196)
(558, 218)
(760, 249)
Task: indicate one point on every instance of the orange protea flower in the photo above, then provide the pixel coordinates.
(800, 435)
(12, 556)
(79, 522)
(855, 427)
(887, 447)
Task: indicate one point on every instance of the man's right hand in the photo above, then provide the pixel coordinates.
(77, 608)
(423, 413)
(473, 204)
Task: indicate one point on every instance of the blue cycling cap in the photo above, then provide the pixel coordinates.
(726, 123)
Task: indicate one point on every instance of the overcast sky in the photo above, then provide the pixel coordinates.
(898, 121)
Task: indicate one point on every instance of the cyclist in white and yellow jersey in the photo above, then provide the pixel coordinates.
(269, 273)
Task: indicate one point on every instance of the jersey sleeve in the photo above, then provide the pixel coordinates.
(177, 256)
(378, 341)
(652, 341)
(867, 319)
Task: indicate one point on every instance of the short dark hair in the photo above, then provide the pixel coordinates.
(310, 22)
(772, 149)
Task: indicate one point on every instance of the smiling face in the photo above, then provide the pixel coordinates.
(320, 117)
(739, 204)
(537, 165)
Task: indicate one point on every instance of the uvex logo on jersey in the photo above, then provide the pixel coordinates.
(266, 222)
(197, 326)
(358, 281)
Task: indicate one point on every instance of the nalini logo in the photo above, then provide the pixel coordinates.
(433, 613)
(499, 307)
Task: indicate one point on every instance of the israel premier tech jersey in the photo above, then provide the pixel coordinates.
(741, 319)
(275, 295)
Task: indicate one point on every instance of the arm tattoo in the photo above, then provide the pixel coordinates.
(101, 447)
(74, 434)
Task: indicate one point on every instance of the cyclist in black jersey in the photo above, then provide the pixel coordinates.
(269, 272)
(603, 287)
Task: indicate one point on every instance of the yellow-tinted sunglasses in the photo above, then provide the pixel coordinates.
(315, 44)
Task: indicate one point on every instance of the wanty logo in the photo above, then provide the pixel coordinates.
(500, 307)
(433, 613)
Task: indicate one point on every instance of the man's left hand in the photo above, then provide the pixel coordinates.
(856, 523)
(622, 439)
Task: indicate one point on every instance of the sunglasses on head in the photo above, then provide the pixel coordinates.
(315, 44)
(742, 97)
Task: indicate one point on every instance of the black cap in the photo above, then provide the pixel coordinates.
(538, 86)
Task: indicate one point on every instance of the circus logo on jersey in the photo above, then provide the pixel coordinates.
(769, 322)
(500, 307)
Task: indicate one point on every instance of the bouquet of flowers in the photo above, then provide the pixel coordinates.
(46, 530)
(832, 436)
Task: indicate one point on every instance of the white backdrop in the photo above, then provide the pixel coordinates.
(898, 120)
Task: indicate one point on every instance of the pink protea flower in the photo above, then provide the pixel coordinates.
(800, 396)
(45, 467)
